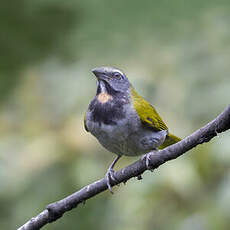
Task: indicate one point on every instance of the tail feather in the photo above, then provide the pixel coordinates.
(170, 140)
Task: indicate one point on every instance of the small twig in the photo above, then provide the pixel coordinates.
(204, 134)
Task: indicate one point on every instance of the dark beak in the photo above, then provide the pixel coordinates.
(100, 73)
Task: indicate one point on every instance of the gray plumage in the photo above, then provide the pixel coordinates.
(115, 123)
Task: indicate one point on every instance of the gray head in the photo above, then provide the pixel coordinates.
(111, 79)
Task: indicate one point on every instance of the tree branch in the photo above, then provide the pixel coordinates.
(55, 210)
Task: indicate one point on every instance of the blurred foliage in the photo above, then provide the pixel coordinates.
(32, 31)
(176, 54)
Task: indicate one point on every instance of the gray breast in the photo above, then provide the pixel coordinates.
(127, 136)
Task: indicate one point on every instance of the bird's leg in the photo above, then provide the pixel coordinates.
(147, 159)
(147, 163)
(110, 173)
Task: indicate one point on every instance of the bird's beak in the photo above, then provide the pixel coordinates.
(100, 73)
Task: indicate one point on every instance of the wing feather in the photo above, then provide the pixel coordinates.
(147, 112)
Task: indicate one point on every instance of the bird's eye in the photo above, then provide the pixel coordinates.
(117, 75)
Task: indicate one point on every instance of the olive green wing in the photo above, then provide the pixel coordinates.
(147, 113)
(86, 128)
(170, 140)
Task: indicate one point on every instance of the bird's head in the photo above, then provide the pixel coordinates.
(111, 80)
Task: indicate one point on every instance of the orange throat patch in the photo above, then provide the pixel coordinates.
(104, 97)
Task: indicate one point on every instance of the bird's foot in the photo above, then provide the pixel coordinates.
(147, 159)
(110, 177)
(147, 162)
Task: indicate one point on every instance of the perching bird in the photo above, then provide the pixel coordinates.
(123, 121)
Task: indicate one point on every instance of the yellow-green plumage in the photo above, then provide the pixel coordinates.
(170, 140)
(149, 116)
(147, 112)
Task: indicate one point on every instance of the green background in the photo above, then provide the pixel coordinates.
(176, 54)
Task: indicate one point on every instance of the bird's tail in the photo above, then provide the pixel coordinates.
(169, 140)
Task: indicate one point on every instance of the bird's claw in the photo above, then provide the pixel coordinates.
(147, 162)
(147, 159)
(109, 176)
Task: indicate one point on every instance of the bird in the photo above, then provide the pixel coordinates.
(122, 121)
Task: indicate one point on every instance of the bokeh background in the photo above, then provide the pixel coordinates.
(176, 54)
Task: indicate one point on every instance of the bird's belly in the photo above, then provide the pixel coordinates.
(126, 139)
(112, 137)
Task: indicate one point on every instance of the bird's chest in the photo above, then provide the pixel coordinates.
(110, 133)
(107, 110)
(109, 123)
(107, 119)
(112, 136)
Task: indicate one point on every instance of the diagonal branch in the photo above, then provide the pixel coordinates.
(55, 210)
